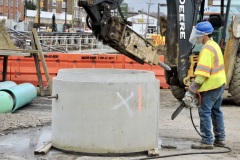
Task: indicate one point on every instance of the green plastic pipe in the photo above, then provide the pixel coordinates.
(22, 94)
(7, 84)
(6, 104)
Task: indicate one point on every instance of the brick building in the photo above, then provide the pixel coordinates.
(12, 8)
(58, 6)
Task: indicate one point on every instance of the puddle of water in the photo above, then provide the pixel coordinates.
(23, 142)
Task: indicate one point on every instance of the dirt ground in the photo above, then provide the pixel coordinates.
(29, 127)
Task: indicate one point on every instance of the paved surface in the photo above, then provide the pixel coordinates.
(30, 127)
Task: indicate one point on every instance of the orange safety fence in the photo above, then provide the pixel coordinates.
(22, 69)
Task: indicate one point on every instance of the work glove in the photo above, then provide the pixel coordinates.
(194, 87)
(190, 99)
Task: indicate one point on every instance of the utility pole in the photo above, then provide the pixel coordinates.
(7, 1)
(17, 17)
(73, 11)
(39, 2)
(149, 4)
(158, 20)
(65, 25)
(132, 16)
(79, 16)
(142, 25)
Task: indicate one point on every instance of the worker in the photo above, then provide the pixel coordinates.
(210, 84)
(66, 29)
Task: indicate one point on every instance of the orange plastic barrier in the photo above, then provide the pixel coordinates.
(158, 71)
(22, 69)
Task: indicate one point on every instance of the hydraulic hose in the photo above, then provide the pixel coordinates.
(185, 154)
(194, 123)
(228, 149)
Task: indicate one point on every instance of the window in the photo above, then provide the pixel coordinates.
(54, 3)
(0, 14)
(6, 2)
(1, 2)
(16, 3)
(6, 14)
(63, 4)
(11, 16)
(53, 10)
(11, 3)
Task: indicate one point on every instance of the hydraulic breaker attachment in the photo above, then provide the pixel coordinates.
(115, 32)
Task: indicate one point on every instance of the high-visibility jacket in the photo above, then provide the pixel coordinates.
(211, 65)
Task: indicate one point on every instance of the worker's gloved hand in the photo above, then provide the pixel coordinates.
(193, 87)
(191, 99)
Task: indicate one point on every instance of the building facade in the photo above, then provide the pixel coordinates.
(58, 6)
(12, 9)
(65, 6)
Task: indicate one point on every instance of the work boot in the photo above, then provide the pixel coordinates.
(219, 143)
(202, 146)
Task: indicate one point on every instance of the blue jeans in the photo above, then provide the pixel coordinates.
(211, 115)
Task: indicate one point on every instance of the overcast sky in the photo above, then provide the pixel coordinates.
(142, 4)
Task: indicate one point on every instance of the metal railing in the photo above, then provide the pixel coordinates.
(64, 42)
(71, 43)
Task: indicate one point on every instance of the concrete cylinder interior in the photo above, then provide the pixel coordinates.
(105, 110)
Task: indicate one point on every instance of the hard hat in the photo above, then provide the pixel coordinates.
(205, 27)
(200, 30)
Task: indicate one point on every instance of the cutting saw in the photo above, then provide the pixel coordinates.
(192, 103)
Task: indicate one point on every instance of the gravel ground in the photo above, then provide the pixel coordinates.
(35, 114)
(36, 117)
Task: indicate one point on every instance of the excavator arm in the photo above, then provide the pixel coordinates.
(116, 33)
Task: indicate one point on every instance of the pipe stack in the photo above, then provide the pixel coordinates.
(13, 96)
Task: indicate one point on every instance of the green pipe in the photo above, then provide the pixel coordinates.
(7, 84)
(21, 94)
(6, 104)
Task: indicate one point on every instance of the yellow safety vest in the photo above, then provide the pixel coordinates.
(211, 65)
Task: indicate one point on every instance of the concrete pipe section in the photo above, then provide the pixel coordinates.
(105, 111)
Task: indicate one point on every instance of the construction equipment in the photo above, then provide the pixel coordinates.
(188, 102)
(181, 55)
(115, 32)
